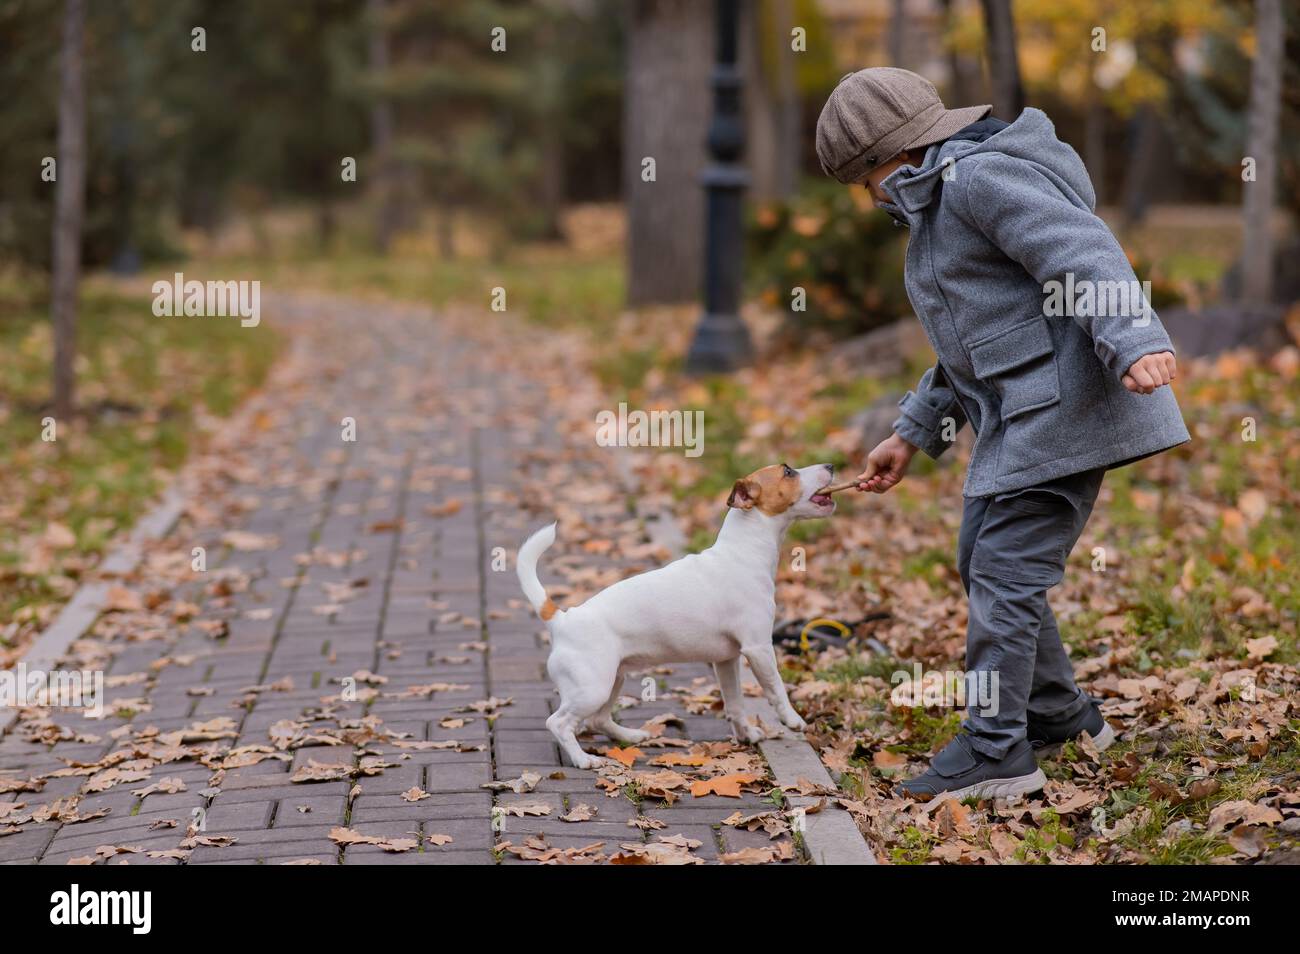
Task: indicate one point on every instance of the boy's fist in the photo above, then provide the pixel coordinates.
(886, 464)
(1150, 372)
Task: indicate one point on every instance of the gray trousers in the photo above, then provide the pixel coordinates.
(1011, 550)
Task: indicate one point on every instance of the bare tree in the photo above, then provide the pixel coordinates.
(69, 205)
(666, 119)
(1004, 61)
(964, 81)
(898, 34)
(381, 128)
(789, 106)
(1261, 146)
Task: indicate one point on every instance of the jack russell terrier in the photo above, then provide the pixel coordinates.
(714, 606)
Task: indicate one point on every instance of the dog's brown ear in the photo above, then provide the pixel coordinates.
(743, 494)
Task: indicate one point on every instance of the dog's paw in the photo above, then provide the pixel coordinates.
(632, 736)
(591, 762)
(748, 733)
(792, 721)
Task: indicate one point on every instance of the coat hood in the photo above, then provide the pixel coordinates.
(1032, 138)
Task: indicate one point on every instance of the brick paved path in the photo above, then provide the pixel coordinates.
(372, 557)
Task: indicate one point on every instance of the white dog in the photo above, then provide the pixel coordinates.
(714, 606)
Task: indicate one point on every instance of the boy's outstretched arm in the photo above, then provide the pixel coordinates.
(931, 415)
(931, 418)
(1024, 213)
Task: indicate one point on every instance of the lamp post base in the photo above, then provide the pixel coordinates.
(721, 344)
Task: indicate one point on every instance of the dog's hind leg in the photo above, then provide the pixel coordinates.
(762, 660)
(581, 697)
(603, 721)
(733, 701)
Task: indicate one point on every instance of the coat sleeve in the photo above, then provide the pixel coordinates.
(924, 412)
(1027, 216)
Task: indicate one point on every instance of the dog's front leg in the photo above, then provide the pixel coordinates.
(733, 701)
(762, 660)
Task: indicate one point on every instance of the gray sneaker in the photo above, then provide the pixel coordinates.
(959, 772)
(1047, 738)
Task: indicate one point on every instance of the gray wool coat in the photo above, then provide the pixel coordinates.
(1033, 310)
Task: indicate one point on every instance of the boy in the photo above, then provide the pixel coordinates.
(1019, 286)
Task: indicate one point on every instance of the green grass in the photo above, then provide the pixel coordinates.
(141, 380)
(553, 290)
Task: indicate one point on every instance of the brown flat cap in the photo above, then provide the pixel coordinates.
(874, 114)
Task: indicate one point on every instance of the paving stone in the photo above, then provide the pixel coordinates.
(330, 500)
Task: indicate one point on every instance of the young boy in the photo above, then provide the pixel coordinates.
(1019, 286)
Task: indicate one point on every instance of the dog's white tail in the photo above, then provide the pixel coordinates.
(526, 566)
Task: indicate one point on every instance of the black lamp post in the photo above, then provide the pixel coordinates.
(721, 339)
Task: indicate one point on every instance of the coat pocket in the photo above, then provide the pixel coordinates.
(1020, 363)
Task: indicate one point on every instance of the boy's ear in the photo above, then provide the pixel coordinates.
(743, 494)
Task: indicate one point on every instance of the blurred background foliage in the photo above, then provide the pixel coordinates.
(469, 152)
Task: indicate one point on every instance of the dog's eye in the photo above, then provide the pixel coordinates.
(789, 471)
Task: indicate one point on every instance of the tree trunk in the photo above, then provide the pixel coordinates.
(445, 229)
(1004, 61)
(965, 85)
(69, 202)
(666, 117)
(789, 108)
(381, 130)
(1142, 166)
(762, 116)
(551, 203)
(1261, 145)
(1094, 142)
(898, 34)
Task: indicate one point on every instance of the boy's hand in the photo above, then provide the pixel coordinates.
(886, 465)
(1150, 372)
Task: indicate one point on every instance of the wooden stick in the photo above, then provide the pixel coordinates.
(836, 488)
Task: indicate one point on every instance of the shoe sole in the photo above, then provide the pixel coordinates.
(1101, 741)
(998, 788)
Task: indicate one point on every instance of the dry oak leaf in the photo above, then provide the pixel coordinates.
(1203, 788)
(1004, 844)
(953, 818)
(1262, 647)
(414, 794)
(1251, 842)
(347, 836)
(624, 756)
(59, 536)
(248, 542)
(579, 813)
(211, 841)
(440, 840)
(771, 822)
(888, 761)
(447, 508)
(728, 785)
(662, 784)
(315, 771)
(1243, 812)
(656, 853)
(169, 786)
(766, 854)
(521, 809)
(118, 599)
(536, 849)
(525, 783)
(692, 758)
(108, 851)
